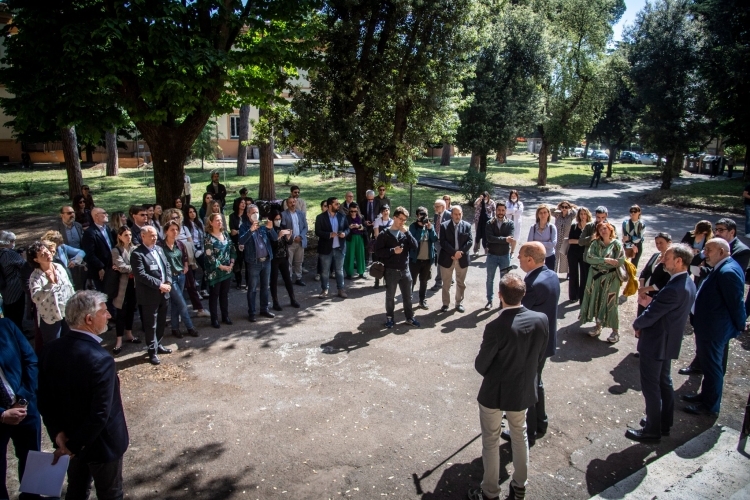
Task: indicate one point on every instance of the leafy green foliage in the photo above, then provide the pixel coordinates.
(207, 143)
(472, 184)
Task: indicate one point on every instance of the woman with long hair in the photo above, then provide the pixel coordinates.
(697, 238)
(564, 217)
(205, 206)
(116, 221)
(236, 218)
(83, 214)
(484, 210)
(220, 257)
(178, 203)
(50, 289)
(600, 297)
(125, 301)
(578, 268)
(156, 219)
(185, 237)
(545, 233)
(197, 232)
(514, 211)
(632, 233)
(280, 261)
(215, 208)
(177, 261)
(356, 243)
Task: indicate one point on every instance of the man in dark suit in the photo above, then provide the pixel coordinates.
(499, 233)
(659, 330)
(153, 282)
(718, 316)
(441, 215)
(79, 399)
(97, 242)
(369, 214)
(138, 220)
(19, 416)
(332, 230)
(513, 347)
(455, 242)
(217, 189)
(542, 295)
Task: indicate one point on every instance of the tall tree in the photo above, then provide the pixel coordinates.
(503, 93)
(389, 67)
(113, 163)
(170, 64)
(72, 160)
(243, 133)
(670, 91)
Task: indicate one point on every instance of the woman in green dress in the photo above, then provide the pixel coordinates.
(219, 263)
(356, 243)
(600, 297)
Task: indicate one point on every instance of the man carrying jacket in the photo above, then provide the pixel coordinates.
(420, 259)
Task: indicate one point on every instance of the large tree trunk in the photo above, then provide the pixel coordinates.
(483, 163)
(445, 158)
(555, 154)
(586, 149)
(612, 154)
(266, 185)
(474, 162)
(666, 174)
(90, 153)
(243, 132)
(363, 177)
(113, 163)
(72, 160)
(746, 170)
(542, 177)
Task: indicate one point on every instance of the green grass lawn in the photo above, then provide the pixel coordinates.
(523, 169)
(719, 195)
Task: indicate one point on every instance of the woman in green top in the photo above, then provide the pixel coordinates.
(177, 260)
(220, 257)
(600, 297)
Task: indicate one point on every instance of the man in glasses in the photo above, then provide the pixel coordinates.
(72, 233)
(348, 200)
(139, 216)
(381, 199)
(331, 228)
(97, 242)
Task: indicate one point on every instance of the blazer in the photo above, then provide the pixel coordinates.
(147, 276)
(220, 195)
(121, 259)
(98, 251)
(417, 231)
(62, 229)
(512, 349)
(246, 239)
(19, 364)
(79, 394)
(662, 324)
(363, 210)
(323, 231)
(496, 236)
(286, 220)
(740, 253)
(542, 295)
(720, 305)
(447, 243)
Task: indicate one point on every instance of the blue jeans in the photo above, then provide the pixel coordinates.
(337, 257)
(259, 274)
(178, 305)
(495, 262)
(747, 219)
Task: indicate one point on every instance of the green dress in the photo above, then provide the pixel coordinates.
(600, 297)
(218, 253)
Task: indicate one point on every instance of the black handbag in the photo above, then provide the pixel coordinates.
(377, 270)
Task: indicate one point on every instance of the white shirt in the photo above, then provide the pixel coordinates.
(106, 236)
(158, 263)
(95, 337)
(8, 388)
(677, 274)
(295, 224)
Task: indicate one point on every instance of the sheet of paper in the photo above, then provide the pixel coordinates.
(43, 478)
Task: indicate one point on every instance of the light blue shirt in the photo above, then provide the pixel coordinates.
(334, 229)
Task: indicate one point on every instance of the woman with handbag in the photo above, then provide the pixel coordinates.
(124, 301)
(653, 277)
(50, 289)
(600, 297)
(545, 233)
(564, 217)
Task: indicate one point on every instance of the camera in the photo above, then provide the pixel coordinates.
(423, 219)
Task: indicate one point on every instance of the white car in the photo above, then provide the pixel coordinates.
(600, 155)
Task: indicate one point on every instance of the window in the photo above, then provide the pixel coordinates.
(234, 127)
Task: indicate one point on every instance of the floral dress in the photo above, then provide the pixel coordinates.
(600, 297)
(218, 253)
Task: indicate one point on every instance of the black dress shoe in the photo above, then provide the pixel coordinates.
(295, 304)
(300, 283)
(163, 350)
(689, 370)
(267, 314)
(153, 358)
(193, 333)
(215, 324)
(251, 318)
(692, 398)
(664, 432)
(277, 307)
(226, 321)
(639, 435)
(177, 334)
(117, 350)
(460, 309)
(701, 410)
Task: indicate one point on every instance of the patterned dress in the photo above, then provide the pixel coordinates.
(600, 297)
(563, 225)
(218, 253)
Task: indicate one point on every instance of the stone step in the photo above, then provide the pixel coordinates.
(705, 468)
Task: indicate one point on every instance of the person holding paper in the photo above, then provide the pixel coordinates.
(19, 417)
(79, 399)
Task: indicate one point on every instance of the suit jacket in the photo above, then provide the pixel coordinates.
(79, 394)
(220, 195)
(662, 324)
(719, 304)
(363, 210)
(512, 349)
(542, 295)
(740, 253)
(323, 231)
(286, 220)
(19, 364)
(62, 229)
(147, 275)
(447, 243)
(98, 251)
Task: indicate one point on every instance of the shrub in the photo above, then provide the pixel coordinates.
(472, 184)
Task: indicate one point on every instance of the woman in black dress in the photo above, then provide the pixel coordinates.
(578, 269)
(653, 277)
(236, 218)
(280, 261)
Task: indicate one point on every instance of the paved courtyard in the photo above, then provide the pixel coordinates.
(323, 402)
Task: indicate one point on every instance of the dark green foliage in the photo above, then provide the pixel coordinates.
(472, 184)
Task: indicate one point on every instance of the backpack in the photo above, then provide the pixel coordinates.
(631, 284)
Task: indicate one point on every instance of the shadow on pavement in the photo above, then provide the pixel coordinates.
(626, 375)
(579, 346)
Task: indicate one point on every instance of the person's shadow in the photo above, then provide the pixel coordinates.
(458, 479)
(626, 375)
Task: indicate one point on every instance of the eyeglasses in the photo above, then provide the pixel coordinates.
(402, 219)
(175, 217)
(565, 206)
(82, 201)
(634, 211)
(352, 211)
(144, 214)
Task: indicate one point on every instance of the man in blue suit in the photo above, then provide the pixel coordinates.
(718, 316)
(542, 295)
(659, 330)
(19, 417)
(331, 228)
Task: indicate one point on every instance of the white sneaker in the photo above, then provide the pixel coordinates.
(597, 331)
(317, 277)
(203, 314)
(323, 294)
(614, 338)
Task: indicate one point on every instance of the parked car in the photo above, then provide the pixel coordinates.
(630, 157)
(577, 152)
(648, 159)
(599, 155)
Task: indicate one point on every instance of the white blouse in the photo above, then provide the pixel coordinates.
(50, 298)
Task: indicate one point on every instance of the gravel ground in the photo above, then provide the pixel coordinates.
(323, 402)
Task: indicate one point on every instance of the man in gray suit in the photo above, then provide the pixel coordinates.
(72, 233)
(296, 220)
(512, 349)
(153, 282)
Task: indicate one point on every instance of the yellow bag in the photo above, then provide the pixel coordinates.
(631, 285)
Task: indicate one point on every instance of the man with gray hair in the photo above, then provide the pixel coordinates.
(80, 402)
(11, 289)
(369, 214)
(441, 215)
(455, 243)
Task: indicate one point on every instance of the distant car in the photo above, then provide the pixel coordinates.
(577, 152)
(599, 155)
(630, 157)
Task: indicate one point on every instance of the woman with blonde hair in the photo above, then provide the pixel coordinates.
(545, 233)
(578, 268)
(117, 220)
(124, 301)
(697, 238)
(564, 216)
(600, 297)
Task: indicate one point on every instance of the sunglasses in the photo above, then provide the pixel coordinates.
(634, 211)
(175, 217)
(352, 211)
(565, 206)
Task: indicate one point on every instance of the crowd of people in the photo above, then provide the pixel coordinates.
(92, 267)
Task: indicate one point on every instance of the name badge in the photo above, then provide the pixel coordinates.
(153, 267)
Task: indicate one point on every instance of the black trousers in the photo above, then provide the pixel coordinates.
(656, 385)
(238, 264)
(536, 417)
(637, 257)
(26, 437)
(107, 478)
(154, 317)
(218, 298)
(124, 318)
(280, 265)
(421, 269)
(578, 273)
